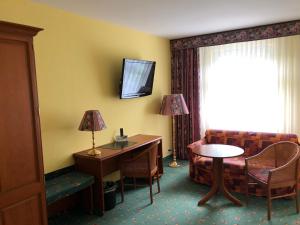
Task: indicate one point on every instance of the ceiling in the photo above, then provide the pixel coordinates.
(182, 18)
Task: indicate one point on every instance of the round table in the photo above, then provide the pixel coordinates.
(218, 152)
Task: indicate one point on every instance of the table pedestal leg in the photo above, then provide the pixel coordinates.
(218, 184)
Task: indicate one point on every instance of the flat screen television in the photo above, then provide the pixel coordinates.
(137, 78)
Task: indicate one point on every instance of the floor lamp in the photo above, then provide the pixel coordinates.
(173, 105)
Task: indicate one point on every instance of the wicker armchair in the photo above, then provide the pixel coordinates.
(142, 165)
(276, 166)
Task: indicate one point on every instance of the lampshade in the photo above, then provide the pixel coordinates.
(173, 105)
(92, 121)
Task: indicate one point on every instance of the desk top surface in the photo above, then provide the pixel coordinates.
(140, 140)
(218, 151)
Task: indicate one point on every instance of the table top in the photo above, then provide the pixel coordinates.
(218, 151)
(139, 140)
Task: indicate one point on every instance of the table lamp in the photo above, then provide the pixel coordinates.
(92, 121)
(173, 105)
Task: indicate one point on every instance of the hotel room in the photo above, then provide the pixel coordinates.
(190, 111)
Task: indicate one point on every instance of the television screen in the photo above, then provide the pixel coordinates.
(137, 78)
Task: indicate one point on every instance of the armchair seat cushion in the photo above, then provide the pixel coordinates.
(260, 173)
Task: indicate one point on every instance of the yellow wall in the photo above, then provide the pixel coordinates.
(78, 62)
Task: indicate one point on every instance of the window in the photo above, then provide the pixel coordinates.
(251, 86)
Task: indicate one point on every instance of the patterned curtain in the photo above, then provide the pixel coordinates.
(185, 78)
(185, 81)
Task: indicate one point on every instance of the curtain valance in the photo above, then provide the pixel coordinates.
(240, 35)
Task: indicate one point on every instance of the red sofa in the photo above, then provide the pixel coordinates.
(234, 174)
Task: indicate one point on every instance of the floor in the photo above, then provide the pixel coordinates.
(177, 205)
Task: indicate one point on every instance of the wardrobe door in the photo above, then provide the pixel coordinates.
(22, 194)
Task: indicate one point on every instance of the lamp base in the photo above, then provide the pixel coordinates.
(173, 164)
(94, 152)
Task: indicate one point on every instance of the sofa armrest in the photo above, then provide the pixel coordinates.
(197, 143)
(192, 146)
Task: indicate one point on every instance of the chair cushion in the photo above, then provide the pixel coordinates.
(260, 174)
(67, 184)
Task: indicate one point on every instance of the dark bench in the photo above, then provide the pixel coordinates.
(63, 185)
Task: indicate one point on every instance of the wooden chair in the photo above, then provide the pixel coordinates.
(142, 165)
(276, 166)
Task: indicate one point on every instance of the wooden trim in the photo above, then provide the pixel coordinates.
(15, 28)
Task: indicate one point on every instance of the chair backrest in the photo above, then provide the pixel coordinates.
(286, 156)
(141, 163)
(284, 152)
(153, 149)
(280, 153)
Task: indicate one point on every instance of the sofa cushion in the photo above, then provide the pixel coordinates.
(235, 141)
(204, 163)
(234, 165)
(251, 146)
(66, 184)
(217, 139)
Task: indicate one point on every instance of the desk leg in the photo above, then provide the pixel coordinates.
(98, 197)
(101, 191)
(160, 159)
(101, 199)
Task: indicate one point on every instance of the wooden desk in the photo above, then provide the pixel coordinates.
(218, 152)
(108, 162)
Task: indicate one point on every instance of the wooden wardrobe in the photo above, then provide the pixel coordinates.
(22, 190)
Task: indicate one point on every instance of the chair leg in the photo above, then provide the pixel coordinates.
(158, 185)
(122, 188)
(134, 182)
(247, 189)
(150, 184)
(269, 200)
(297, 198)
(91, 200)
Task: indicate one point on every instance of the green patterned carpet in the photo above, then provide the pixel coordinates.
(177, 205)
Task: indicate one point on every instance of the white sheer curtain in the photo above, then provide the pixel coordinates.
(252, 86)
